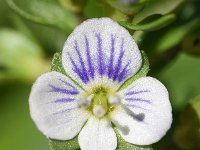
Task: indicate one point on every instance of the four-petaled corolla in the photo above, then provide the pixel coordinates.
(98, 57)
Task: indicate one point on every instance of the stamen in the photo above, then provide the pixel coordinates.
(98, 111)
(89, 99)
(86, 102)
(114, 100)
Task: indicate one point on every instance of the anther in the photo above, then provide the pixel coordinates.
(114, 100)
(87, 101)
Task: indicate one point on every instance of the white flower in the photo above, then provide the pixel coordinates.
(99, 56)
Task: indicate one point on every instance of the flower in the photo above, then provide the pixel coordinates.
(98, 57)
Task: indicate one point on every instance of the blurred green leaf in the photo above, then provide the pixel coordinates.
(191, 43)
(141, 73)
(18, 131)
(152, 7)
(138, 37)
(93, 9)
(123, 145)
(126, 7)
(175, 35)
(19, 56)
(195, 104)
(51, 39)
(153, 25)
(47, 12)
(64, 145)
(20, 26)
(187, 134)
(4, 9)
(182, 80)
(73, 5)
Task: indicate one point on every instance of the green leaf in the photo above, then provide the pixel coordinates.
(152, 7)
(57, 63)
(182, 80)
(22, 27)
(47, 12)
(15, 119)
(141, 73)
(125, 7)
(20, 57)
(187, 135)
(175, 35)
(195, 104)
(138, 36)
(64, 145)
(153, 25)
(123, 145)
(93, 9)
(74, 5)
(191, 43)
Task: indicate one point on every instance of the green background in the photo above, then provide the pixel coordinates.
(38, 37)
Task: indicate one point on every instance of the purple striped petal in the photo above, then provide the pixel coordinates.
(63, 111)
(89, 59)
(110, 67)
(84, 71)
(103, 50)
(138, 99)
(61, 90)
(149, 113)
(64, 100)
(54, 106)
(101, 57)
(118, 66)
(136, 92)
(124, 73)
(77, 70)
(136, 106)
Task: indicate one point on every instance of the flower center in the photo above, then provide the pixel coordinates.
(101, 101)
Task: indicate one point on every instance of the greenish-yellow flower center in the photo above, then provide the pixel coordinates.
(101, 101)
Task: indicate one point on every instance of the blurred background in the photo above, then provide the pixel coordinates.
(31, 31)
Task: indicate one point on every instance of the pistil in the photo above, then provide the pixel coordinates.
(100, 104)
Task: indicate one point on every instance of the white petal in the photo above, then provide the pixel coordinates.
(101, 51)
(97, 135)
(53, 106)
(148, 112)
